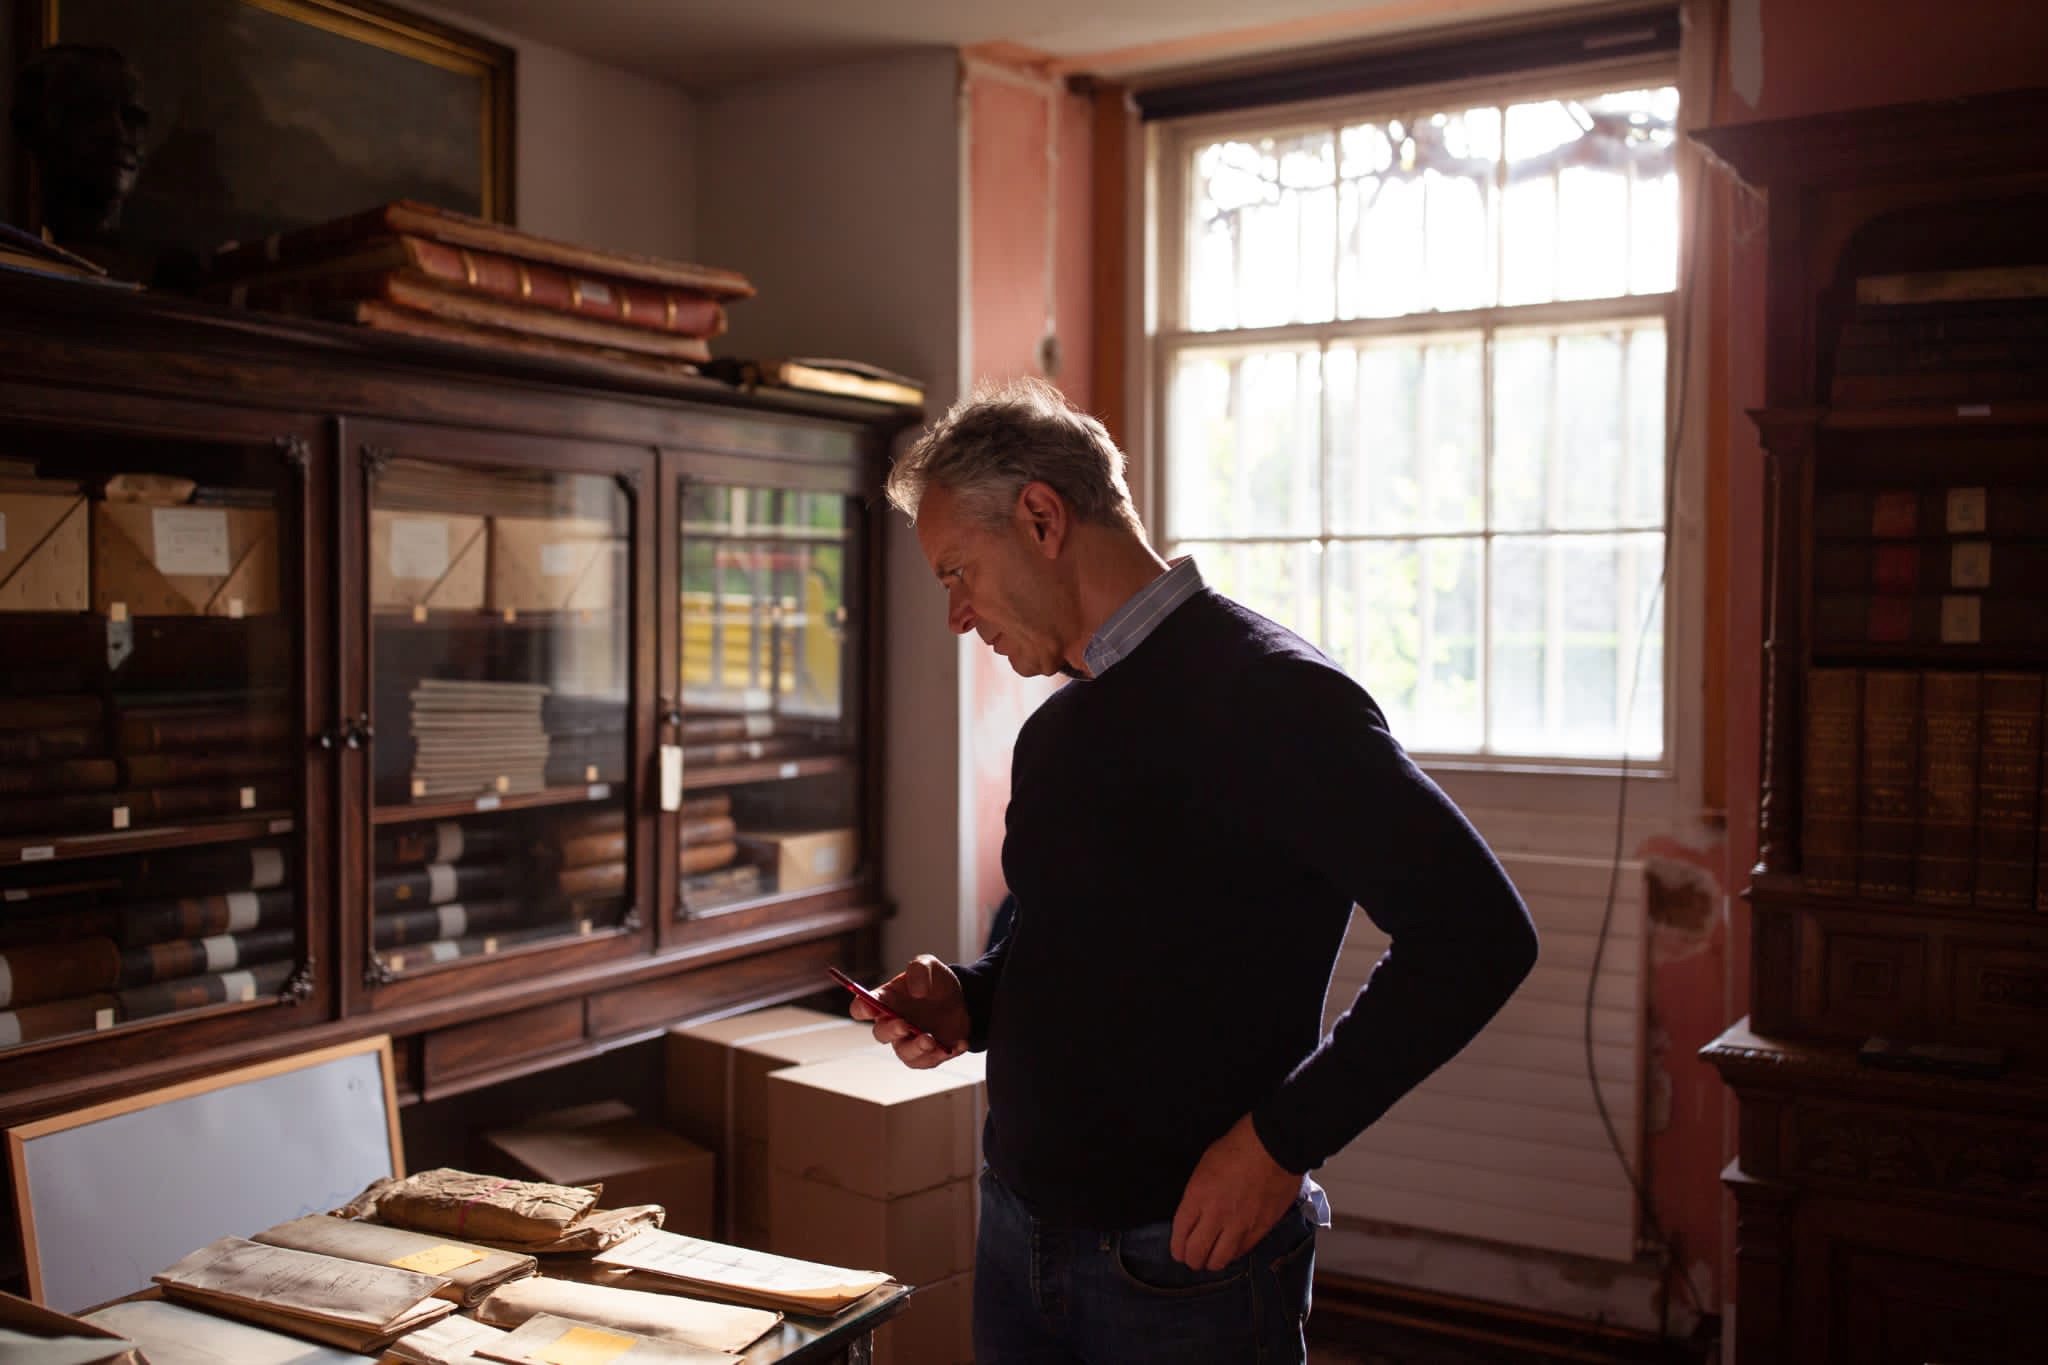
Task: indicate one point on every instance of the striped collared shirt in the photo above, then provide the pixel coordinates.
(1130, 623)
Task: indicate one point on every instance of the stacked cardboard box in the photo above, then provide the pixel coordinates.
(874, 1165)
(637, 1162)
(717, 1096)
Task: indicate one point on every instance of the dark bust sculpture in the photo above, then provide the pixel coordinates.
(78, 111)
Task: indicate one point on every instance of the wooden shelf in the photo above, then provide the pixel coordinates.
(64, 847)
(493, 620)
(1917, 655)
(1995, 412)
(448, 807)
(764, 770)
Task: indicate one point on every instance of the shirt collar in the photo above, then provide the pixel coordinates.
(1130, 624)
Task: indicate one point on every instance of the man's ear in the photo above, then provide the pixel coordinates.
(1045, 517)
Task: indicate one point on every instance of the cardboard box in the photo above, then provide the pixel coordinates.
(183, 561)
(708, 1064)
(802, 859)
(870, 1124)
(426, 559)
(45, 550)
(636, 1161)
(919, 1238)
(554, 564)
(936, 1329)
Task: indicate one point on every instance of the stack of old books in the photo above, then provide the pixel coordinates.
(411, 268)
(354, 1305)
(477, 738)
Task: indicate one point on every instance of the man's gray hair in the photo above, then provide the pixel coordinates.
(1006, 435)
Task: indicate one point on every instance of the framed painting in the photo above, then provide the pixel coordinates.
(267, 115)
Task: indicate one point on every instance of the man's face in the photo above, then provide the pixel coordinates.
(999, 582)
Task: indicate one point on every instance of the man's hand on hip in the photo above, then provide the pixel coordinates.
(1236, 1195)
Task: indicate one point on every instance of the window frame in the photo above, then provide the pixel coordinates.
(1163, 301)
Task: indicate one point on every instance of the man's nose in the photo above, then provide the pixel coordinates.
(959, 615)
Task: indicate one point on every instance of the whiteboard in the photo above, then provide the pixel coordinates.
(110, 1195)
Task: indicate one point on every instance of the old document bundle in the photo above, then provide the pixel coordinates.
(755, 1277)
(343, 1303)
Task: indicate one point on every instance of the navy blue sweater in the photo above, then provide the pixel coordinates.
(1186, 836)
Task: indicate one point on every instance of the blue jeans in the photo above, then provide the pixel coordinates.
(1050, 1295)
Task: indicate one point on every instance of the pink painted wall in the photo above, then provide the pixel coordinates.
(1017, 196)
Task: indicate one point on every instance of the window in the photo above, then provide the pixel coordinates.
(1412, 378)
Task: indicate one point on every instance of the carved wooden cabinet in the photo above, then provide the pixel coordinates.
(1886, 1215)
(352, 685)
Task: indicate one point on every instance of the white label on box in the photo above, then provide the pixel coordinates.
(239, 986)
(454, 920)
(1962, 620)
(419, 547)
(38, 853)
(248, 798)
(120, 817)
(1965, 510)
(440, 882)
(282, 825)
(671, 777)
(488, 803)
(444, 952)
(595, 292)
(102, 1020)
(559, 561)
(396, 962)
(448, 841)
(220, 952)
(600, 790)
(1973, 410)
(13, 893)
(243, 910)
(191, 540)
(491, 943)
(584, 926)
(266, 867)
(1969, 564)
(788, 770)
(760, 726)
(825, 861)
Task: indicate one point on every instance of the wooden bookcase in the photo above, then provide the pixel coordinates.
(699, 562)
(1886, 1215)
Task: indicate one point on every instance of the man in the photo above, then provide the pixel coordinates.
(1190, 822)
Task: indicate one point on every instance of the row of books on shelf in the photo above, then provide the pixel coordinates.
(1924, 785)
(1958, 336)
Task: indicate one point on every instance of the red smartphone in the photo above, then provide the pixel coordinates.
(874, 1001)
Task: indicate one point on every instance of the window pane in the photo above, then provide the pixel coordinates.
(1405, 436)
(1590, 209)
(1261, 227)
(1404, 620)
(1277, 581)
(1415, 204)
(1578, 428)
(1243, 450)
(1568, 619)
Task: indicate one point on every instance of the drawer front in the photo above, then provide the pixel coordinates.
(504, 1038)
(799, 968)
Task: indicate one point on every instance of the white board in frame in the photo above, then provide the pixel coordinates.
(108, 1195)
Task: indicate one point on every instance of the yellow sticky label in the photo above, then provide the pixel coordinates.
(583, 1346)
(438, 1260)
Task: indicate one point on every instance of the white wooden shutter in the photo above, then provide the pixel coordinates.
(1504, 1143)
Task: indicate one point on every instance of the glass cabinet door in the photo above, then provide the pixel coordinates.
(500, 616)
(771, 661)
(151, 775)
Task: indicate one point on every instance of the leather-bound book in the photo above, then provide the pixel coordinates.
(61, 775)
(436, 884)
(33, 1023)
(155, 962)
(166, 769)
(706, 857)
(238, 867)
(709, 829)
(1890, 784)
(2009, 791)
(214, 988)
(1945, 852)
(704, 807)
(46, 713)
(583, 850)
(148, 729)
(393, 929)
(51, 745)
(57, 971)
(598, 879)
(444, 841)
(203, 916)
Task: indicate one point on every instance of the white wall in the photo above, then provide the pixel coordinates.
(602, 156)
(838, 193)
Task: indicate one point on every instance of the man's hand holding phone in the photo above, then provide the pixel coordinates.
(920, 1011)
